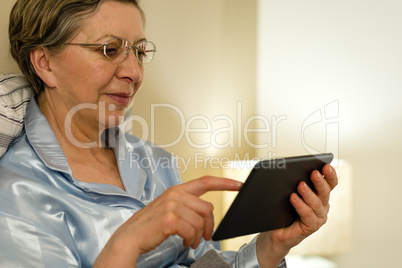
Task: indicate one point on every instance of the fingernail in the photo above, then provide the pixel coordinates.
(330, 170)
(239, 184)
(295, 197)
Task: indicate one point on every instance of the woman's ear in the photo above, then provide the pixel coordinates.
(40, 61)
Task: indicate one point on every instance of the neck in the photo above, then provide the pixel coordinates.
(73, 133)
(80, 140)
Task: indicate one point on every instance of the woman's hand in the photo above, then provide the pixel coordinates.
(312, 208)
(178, 211)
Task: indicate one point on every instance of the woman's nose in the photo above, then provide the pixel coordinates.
(131, 68)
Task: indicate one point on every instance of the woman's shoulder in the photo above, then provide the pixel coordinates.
(17, 147)
(22, 163)
(19, 155)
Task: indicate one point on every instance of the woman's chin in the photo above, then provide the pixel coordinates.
(111, 121)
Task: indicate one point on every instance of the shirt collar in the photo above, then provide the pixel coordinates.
(46, 145)
(43, 139)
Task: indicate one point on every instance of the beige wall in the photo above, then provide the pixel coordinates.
(204, 66)
(314, 53)
(347, 51)
(7, 63)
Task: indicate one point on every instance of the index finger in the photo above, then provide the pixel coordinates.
(205, 184)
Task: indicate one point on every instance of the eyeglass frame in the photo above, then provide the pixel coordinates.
(135, 48)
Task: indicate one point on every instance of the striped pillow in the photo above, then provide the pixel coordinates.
(15, 95)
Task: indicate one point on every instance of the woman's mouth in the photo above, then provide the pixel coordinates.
(122, 98)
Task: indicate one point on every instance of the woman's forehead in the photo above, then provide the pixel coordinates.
(113, 19)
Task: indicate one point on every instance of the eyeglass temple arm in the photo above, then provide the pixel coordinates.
(85, 45)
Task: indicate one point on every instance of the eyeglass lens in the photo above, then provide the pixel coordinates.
(117, 49)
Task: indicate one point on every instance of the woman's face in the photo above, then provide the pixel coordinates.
(86, 79)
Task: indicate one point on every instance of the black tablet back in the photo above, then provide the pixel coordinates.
(263, 203)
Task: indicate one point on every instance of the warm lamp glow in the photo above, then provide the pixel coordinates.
(333, 238)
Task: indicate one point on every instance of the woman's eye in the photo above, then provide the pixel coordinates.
(111, 51)
(141, 54)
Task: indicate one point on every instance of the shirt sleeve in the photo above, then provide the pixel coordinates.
(25, 244)
(33, 232)
(246, 256)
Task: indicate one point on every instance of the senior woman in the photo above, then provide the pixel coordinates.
(70, 193)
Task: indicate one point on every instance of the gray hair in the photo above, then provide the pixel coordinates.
(50, 24)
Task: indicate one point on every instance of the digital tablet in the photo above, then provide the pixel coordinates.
(263, 202)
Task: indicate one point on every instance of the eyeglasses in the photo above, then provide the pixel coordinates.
(118, 48)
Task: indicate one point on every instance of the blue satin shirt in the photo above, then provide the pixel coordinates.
(50, 219)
